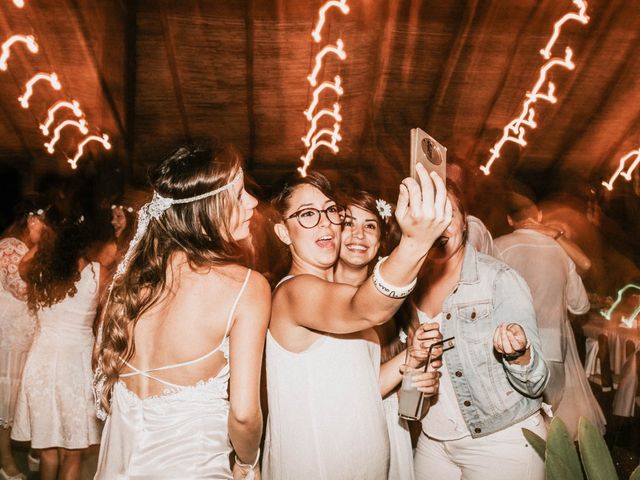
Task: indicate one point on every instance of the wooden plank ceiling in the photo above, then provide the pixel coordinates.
(153, 72)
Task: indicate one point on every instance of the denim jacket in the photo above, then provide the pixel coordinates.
(492, 394)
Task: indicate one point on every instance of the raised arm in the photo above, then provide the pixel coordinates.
(246, 346)
(423, 212)
(555, 231)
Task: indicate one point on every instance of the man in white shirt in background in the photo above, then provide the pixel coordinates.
(543, 256)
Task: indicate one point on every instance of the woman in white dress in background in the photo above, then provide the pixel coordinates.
(368, 231)
(326, 419)
(55, 409)
(179, 362)
(17, 324)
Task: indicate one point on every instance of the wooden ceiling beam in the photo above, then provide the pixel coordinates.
(173, 69)
(432, 107)
(130, 82)
(501, 84)
(249, 33)
(385, 42)
(95, 64)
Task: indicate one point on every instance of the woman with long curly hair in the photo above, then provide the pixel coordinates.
(183, 330)
(17, 324)
(55, 410)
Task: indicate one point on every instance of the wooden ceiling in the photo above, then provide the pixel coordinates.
(150, 73)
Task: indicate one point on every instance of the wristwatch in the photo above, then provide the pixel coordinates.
(558, 235)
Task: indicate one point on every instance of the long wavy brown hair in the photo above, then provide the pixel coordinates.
(54, 269)
(202, 230)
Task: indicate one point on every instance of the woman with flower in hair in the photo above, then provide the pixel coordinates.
(55, 411)
(17, 324)
(326, 419)
(183, 330)
(369, 231)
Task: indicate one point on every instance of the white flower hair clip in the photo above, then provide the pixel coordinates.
(384, 209)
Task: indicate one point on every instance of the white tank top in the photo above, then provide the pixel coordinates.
(326, 418)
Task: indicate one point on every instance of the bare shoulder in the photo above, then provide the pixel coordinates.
(234, 277)
(300, 285)
(258, 287)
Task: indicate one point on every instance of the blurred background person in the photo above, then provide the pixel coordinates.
(55, 409)
(17, 324)
(544, 257)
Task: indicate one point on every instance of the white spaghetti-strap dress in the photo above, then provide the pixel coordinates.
(55, 405)
(182, 433)
(326, 419)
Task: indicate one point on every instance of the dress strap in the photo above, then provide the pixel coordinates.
(146, 374)
(288, 277)
(235, 305)
(137, 371)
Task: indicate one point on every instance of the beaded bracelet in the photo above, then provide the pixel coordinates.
(388, 290)
(250, 474)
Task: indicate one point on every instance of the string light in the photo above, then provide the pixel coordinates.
(337, 50)
(335, 86)
(514, 131)
(309, 156)
(527, 115)
(104, 140)
(621, 166)
(314, 143)
(51, 78)
(581, 17)
(74, 106)
(6, 48)
(80, 125)
(341, 4)
(609, 313)
(335, 114)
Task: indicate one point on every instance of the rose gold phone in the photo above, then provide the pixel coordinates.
(426, 150)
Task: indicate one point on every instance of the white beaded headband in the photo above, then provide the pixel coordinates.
(156, 207)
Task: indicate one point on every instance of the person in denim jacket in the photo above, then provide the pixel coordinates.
(493, 379)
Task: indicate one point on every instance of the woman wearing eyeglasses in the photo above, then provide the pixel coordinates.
(326, 419)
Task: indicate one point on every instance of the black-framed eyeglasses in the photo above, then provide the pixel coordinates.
(310, 217)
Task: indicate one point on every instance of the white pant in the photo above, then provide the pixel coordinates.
(504, 455)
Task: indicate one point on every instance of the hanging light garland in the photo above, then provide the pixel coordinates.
(28, 40)
(52, 79)
(80, 125)
(621, 166)
(324, 137)
(74, 106)
(104, 140)
(515, 130)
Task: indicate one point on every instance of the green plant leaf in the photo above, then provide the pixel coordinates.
(596, 458)
(536, 441)
(561, 457)
(635, 475)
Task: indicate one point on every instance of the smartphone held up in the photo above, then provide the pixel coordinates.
(429, 152)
